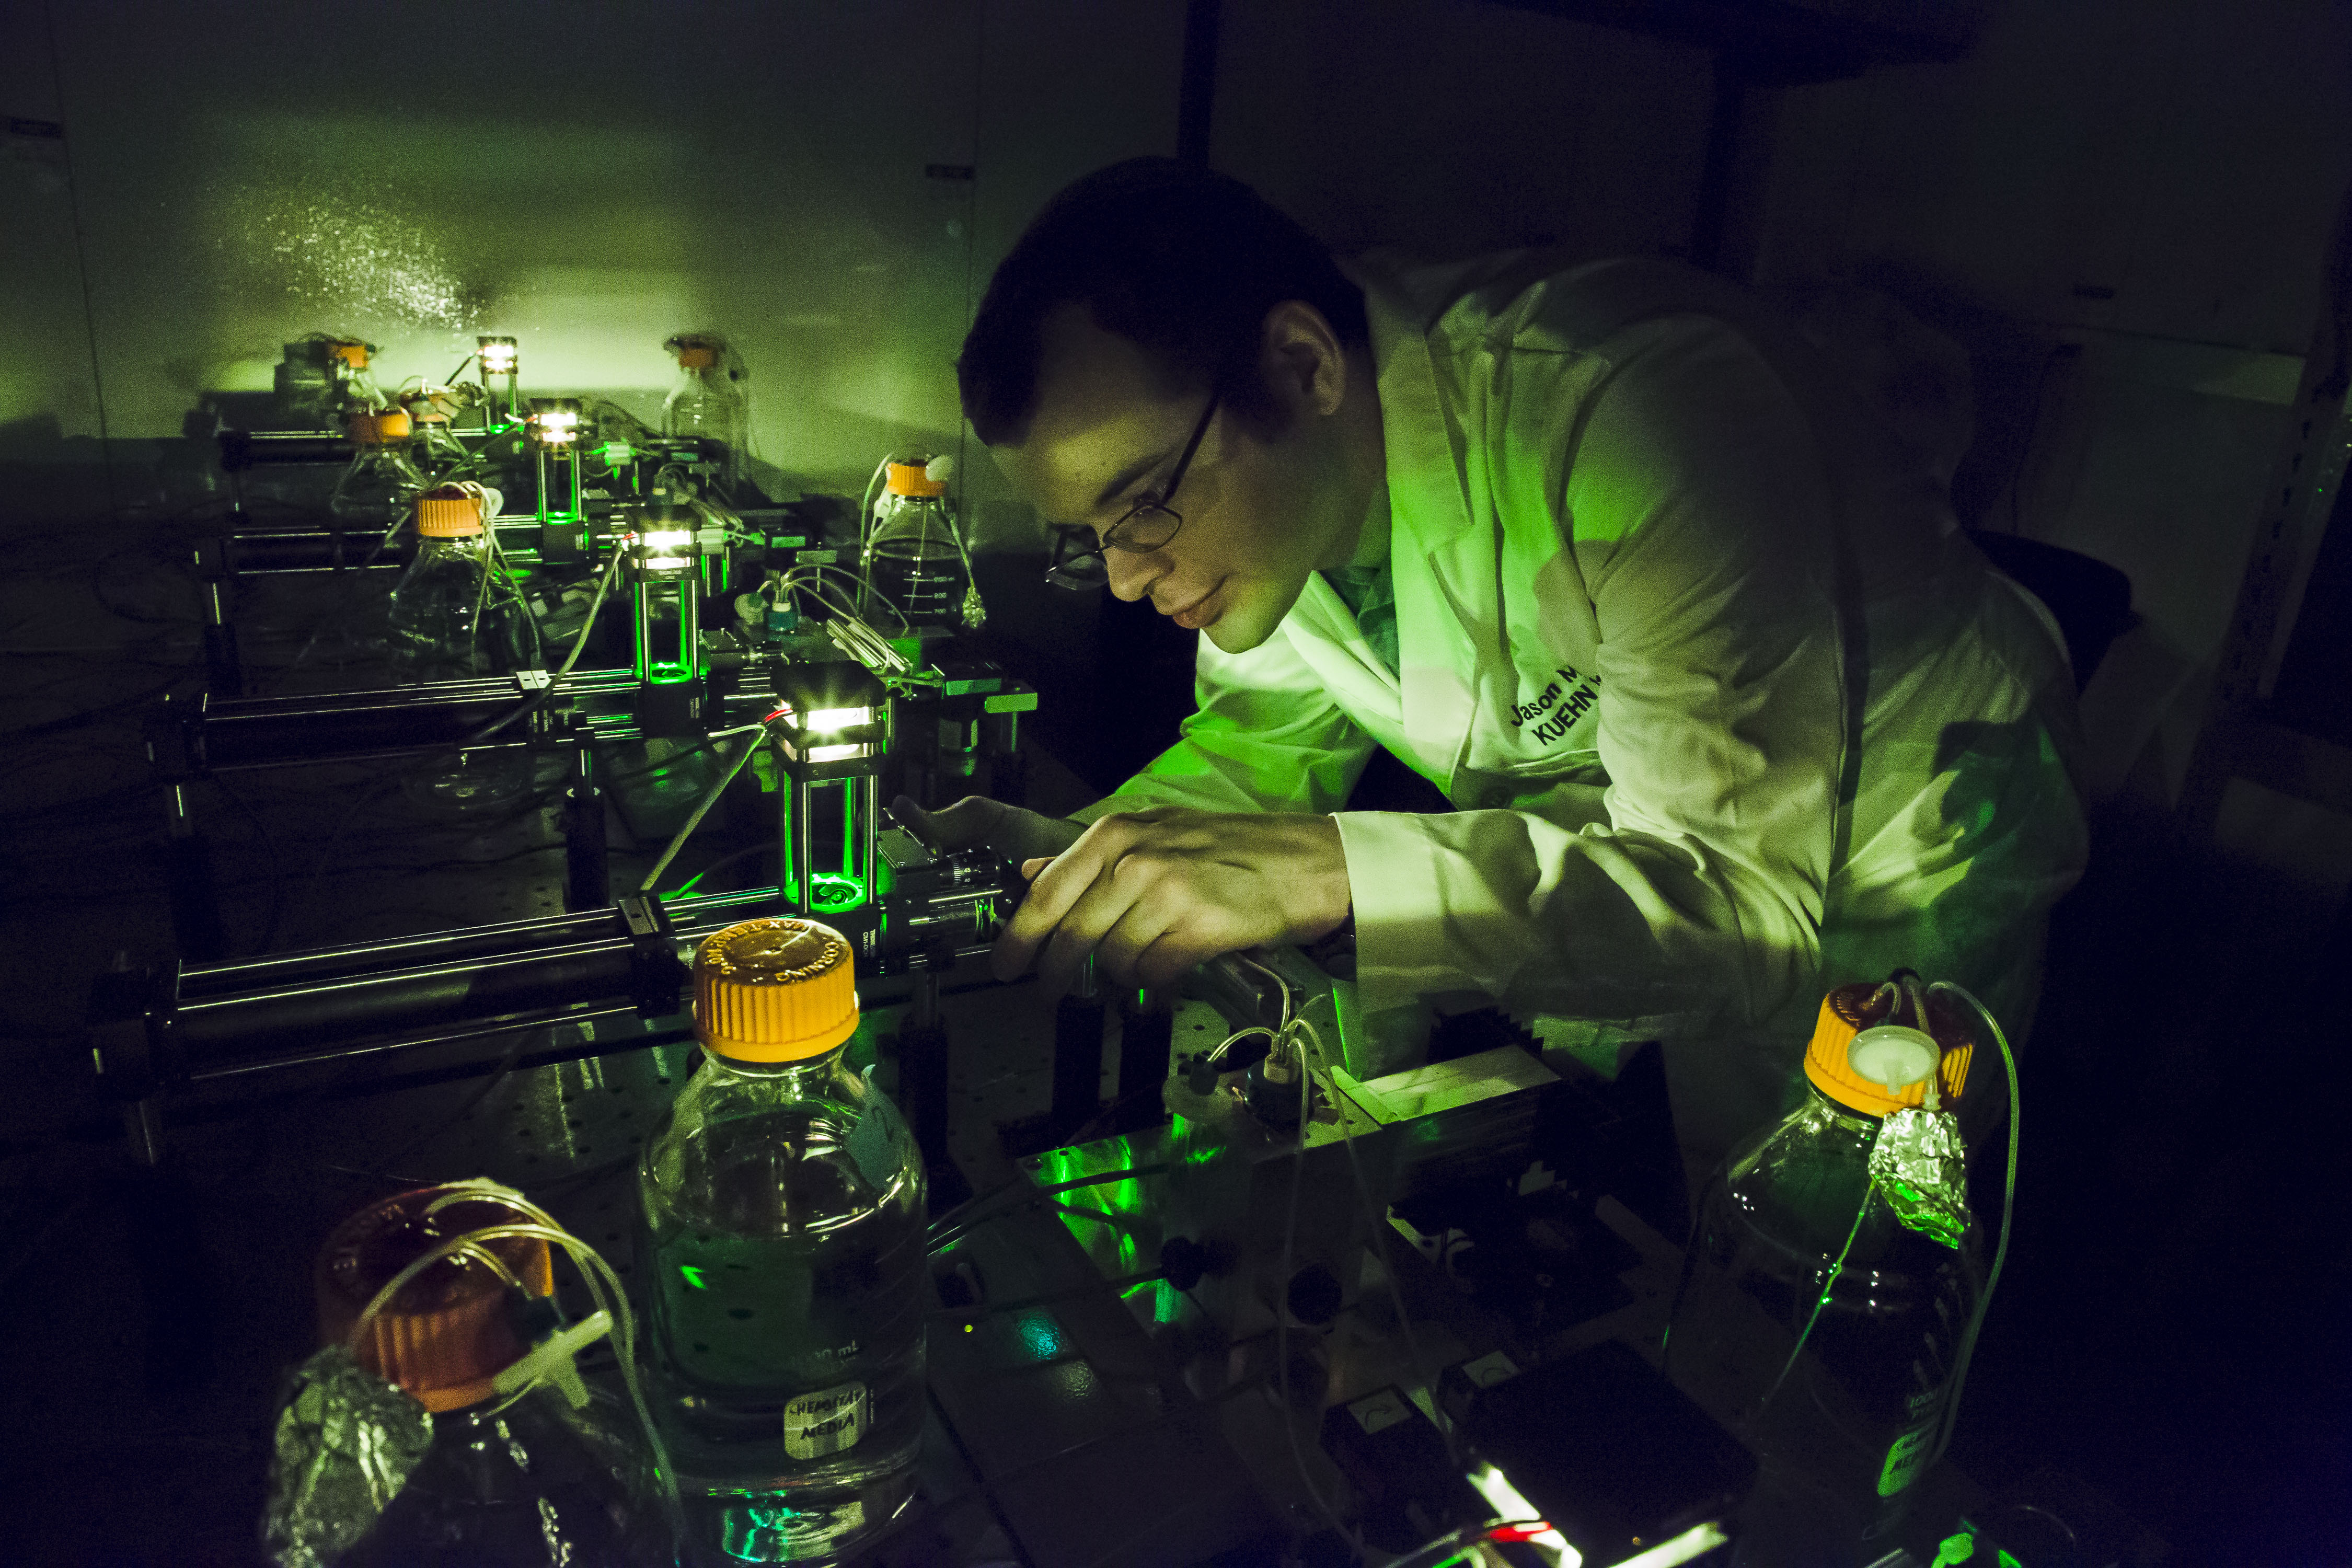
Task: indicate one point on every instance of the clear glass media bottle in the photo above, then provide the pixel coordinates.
(456, 615)
(379, 488)
(706, 401)
(781, 1236)
(914, 557)
(1823, 1329)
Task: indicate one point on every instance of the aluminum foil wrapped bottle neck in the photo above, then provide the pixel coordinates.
(1918, 1162)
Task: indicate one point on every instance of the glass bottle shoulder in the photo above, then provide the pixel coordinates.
(1801, 1185)
(798, 1151)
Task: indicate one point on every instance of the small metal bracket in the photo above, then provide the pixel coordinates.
(134, 1047)
(656, 977)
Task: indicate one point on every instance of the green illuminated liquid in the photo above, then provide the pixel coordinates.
(790, 1275)
(1845, 1434)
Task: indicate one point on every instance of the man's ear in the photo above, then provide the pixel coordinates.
(1304, 360)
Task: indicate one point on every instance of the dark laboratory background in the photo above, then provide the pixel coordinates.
(2128, 215)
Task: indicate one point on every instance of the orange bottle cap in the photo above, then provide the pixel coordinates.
(909, 479)
(354, 354)
(775, 991)
(696, 356)
(446, 511)
(374, 426)
(446, 1334)
(1846, 1012)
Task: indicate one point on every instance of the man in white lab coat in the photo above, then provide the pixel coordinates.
(1730, 709)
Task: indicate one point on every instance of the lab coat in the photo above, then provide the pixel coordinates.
(1731, 711)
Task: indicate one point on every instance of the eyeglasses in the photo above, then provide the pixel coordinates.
(1145, 527)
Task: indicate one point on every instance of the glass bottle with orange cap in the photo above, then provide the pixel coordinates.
(781, 1245)
(1829, 1296)
(489, 1448)
(915, 558)
(706, 401)
(380, 488)
(456, 613)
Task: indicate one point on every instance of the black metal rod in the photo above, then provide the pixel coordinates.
(227, 1073)
(196, 925)
(587, 876)
(1077, 1058)
(403, 1000)
(1146, 1036)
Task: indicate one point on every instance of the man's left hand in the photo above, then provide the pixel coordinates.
(1153, 893)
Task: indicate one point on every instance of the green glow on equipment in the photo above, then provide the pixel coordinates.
(554, 433)
(830, 727)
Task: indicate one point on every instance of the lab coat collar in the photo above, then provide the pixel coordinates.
(1433, 542)
(1425, 446)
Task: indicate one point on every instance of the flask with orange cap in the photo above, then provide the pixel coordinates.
(708, 400)
(379, 487)
(915, 556)
(781, 1242)
(1835, 1275)
(488, 1445)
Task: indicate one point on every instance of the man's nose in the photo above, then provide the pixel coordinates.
(1132, 573)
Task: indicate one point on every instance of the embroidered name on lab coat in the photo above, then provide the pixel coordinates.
(1559, 706)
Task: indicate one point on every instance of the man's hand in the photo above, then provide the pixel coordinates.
(1153, 893)
(1015, 834)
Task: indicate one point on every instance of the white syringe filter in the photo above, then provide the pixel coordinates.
(1892, 1055)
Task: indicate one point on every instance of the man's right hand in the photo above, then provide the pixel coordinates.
(976, 820)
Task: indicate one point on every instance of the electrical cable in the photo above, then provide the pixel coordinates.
(687, 886)
(1378, 1213)
(267, 842)
(336, 612)
(603, 1285)
(503, 1071)
(2008, 1212)
(961, 1220)
(89, 715)
(537, 700)
(1282, 1313)
(1091, 1288)
(667, 763)
(709, 798)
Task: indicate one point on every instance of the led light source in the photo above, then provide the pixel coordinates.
(499, 356)
(554, 421)
(826, 721)
(666, 538)
(1507, 1503)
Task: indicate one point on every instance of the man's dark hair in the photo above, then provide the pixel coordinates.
(1182, 262)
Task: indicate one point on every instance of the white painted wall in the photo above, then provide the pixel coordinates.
(1446, 128)
(2150, 181)
(589, 181)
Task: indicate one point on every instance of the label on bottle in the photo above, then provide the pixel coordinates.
(1908, 1456)
(827, 1421)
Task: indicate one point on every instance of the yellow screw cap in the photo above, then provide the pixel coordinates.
(913, 479)
(375, 426)
(775, 991)
(448, 1332)
(1846, 1013)
(446, 511)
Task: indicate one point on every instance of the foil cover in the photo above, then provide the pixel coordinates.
(1921, 1168)
(347, 1442)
